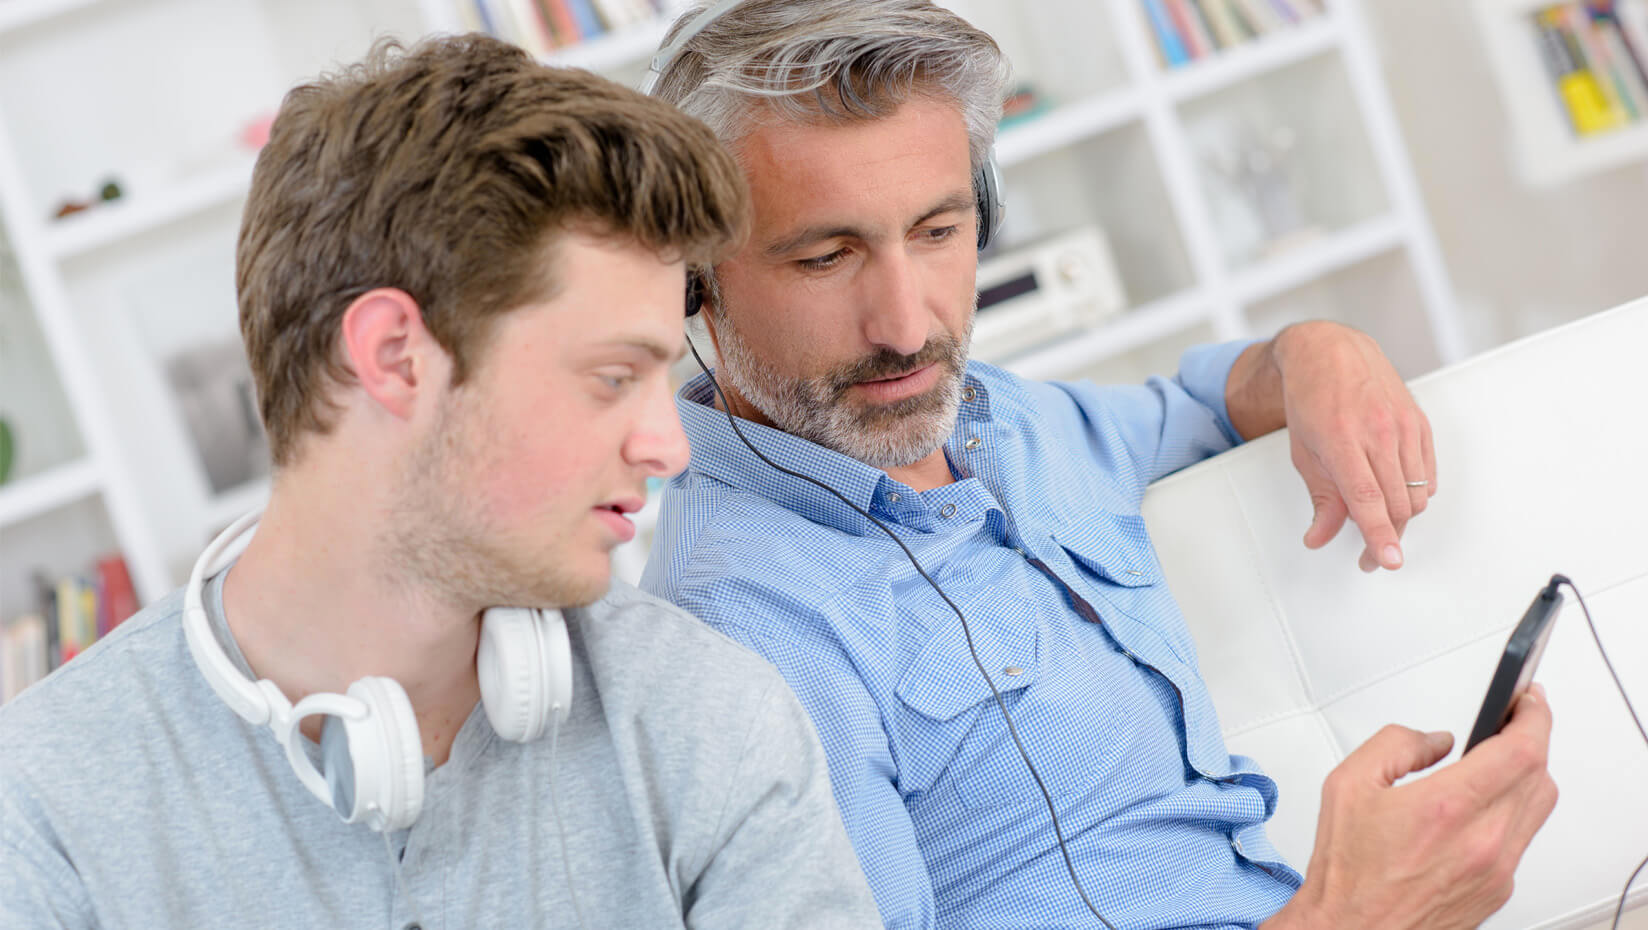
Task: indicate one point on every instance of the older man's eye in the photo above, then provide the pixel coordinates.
(823, 262)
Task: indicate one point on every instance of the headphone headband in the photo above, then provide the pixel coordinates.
(660, 61)
(254, 704)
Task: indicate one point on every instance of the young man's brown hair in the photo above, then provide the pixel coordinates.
(447, 171)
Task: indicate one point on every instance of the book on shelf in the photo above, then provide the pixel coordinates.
(1592, 54)
(544, 26)
(73, 612)
(1190, 30)
(24, 655)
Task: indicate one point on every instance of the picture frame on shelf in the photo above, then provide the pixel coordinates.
(211, 385)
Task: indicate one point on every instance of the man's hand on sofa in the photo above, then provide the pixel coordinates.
(1359, 440)
(1438, 852)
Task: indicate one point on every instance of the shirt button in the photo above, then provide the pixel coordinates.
(969, 395)
(974, 443)
(892, 497)
(947, 511)
(1019, 551)
(1237, 845)
(1013, 671)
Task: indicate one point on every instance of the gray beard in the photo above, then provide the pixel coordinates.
(816, 409)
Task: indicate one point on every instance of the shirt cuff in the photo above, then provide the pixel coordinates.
(1204, 371)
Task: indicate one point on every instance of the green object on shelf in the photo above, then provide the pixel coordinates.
(8, 448)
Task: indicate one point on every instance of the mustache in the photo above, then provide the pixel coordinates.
(885, 363)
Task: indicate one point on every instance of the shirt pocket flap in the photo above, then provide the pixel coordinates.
(943, 680)
(1116, 547)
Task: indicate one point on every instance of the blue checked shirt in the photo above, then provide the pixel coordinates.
(1040, 543)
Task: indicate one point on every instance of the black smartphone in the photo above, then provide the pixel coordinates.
(1516, 665)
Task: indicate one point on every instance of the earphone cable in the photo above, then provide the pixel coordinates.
(1556, 582)
(967, 633)
(560, 825)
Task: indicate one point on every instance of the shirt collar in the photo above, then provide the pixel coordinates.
(718, 453)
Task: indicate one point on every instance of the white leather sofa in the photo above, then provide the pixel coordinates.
(1542, 451)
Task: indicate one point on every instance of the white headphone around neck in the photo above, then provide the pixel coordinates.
(371, 753)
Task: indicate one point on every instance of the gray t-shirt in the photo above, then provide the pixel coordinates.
(693, 791)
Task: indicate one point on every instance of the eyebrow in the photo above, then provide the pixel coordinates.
(652, 347)
(812, 234)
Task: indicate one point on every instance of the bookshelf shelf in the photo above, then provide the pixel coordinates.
(1260, 56)
(110, 223)
(1318, 259)
(1065, 125)
(30, 497)
(1137, 327)
(17, 15)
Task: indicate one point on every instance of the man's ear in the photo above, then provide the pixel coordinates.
(707, 315)
(393, 357)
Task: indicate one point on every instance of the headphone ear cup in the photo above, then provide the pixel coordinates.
(374, 764)
(695, 292)
(525, 669)
(992, 208)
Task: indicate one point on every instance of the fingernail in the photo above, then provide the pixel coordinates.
(1439, 738)
(1392, 557)
(1538, 690)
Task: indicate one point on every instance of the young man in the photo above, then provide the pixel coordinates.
(460, 279)
(842, 327)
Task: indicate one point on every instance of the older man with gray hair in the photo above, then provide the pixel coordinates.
(1084, 781)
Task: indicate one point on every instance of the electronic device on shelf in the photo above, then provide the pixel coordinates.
(1043, 291)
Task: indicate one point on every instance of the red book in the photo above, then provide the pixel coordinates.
(1197, 42)
(119, 599)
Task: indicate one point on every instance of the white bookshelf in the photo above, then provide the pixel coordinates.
(128, 217)
(1544, 150)
(1118, 143)
(1153, 119)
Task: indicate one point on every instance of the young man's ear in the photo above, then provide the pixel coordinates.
(391, 354)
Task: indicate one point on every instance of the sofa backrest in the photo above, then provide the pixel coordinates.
(1542, 450)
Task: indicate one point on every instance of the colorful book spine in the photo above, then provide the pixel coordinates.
(583, 13)
(1167, 38)
(24, 655)
(560, 20)
(1624, 63)
(118, 598)
(1632, 20)
(1196, 40)
(1578, 91)
(1261, 19)
(1217, 20)
(1595, 57)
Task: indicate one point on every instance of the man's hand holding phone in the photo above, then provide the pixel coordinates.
(1437, 852)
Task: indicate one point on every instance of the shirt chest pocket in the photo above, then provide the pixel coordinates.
(953, 733)
(1113, 555)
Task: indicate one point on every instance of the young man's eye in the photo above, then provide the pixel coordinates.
(823, 262)
(615, 381)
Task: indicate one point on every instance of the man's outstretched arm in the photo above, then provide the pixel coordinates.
(1359, 440)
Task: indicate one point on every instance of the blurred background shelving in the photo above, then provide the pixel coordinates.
(1293, 174)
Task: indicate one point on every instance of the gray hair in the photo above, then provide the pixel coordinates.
(835, 60)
